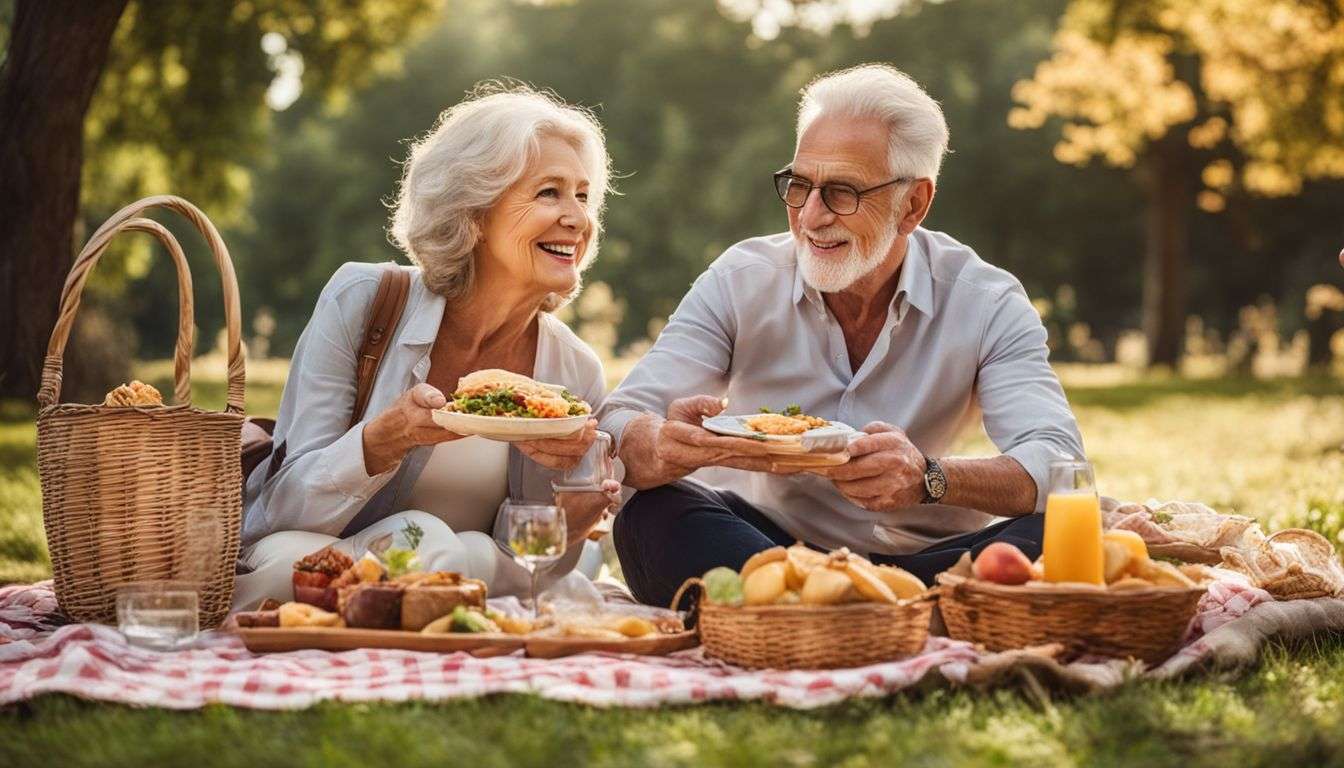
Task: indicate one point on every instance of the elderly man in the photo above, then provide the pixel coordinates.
(859, 315)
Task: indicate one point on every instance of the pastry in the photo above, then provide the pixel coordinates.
(135, 394)
(423, 602)
(304, 615)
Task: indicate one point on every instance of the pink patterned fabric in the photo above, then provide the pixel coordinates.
(95, 662)
(1228, 599)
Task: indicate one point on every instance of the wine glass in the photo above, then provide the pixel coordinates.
(536, 536)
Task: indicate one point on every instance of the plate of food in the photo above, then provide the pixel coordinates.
(507, 406)
(806, 439)
(382, 601)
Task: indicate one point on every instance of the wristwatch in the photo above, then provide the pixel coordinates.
(935, 482)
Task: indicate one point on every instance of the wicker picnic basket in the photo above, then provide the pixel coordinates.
(121, 486)
(810, 636)
(1146, 624)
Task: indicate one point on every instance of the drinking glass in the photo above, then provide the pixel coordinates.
(1072, 547)
(592, 470)
(536, 536)
(158, 614)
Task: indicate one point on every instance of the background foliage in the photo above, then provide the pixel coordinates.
(697, 98)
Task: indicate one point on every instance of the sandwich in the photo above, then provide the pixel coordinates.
(495, 392)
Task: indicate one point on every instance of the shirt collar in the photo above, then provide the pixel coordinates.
(916, 282)
(914, 288)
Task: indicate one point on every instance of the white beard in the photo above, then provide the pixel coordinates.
(836, 274)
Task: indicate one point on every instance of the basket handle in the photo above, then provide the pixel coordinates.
(682, 591)
(128, 218)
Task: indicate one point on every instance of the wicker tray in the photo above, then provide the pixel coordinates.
(1146, 624)
(272, 640)
(809, 636)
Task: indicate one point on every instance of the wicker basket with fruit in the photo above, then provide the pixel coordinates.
(1002, 601)
(797, 608)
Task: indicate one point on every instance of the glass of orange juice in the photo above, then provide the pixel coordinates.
(1072, 549)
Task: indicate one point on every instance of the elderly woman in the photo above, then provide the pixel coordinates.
(499, 210)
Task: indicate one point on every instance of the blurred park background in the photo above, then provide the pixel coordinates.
(1164, 177)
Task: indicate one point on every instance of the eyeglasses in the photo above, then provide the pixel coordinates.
(841, 199)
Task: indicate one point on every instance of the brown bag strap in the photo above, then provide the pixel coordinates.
(384, 314)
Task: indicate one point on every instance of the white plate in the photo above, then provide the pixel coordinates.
(507, 428)
(735, 426)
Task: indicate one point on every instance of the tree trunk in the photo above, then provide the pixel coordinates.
(1166, 249)
(56, 53)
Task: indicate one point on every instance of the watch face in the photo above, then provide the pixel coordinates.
(935, 482)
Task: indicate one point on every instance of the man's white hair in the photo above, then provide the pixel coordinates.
(918, 130)
(477, 149)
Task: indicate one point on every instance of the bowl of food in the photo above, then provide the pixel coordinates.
(507, 406)
(797, 608)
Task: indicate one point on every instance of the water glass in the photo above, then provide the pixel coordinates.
(593, 469)
(158, 614)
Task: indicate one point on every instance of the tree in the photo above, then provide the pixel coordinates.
(1208, 100)
(181, 108)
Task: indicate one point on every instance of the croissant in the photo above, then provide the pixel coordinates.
(137, 393)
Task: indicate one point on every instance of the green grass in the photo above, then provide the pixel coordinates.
(1290, 711)
(1271, 449)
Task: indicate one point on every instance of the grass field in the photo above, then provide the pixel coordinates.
(1272, 449)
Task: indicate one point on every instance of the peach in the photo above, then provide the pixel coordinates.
(1002, 563)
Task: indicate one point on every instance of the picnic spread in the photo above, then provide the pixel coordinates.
(142, 514)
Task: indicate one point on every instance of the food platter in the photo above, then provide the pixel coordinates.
(281, 639)
(480, 644)
(509, 428)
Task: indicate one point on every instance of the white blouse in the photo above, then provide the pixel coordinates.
(463, 483)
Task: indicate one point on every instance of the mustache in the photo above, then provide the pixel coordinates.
(828, 234)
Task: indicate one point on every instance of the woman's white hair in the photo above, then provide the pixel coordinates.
(476, 150)
(918, 130)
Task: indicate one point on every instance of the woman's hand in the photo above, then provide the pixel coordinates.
(561, 452)
(407, 423)
(585, 509)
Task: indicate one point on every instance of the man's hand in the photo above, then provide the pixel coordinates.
(687, 446)
(885, 470)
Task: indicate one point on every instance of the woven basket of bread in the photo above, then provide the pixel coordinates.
(809, 636)
(1292, 564)
(1146, 623)
(796, 608)
(124, 482)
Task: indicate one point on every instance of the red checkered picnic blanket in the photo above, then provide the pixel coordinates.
(96, 662)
